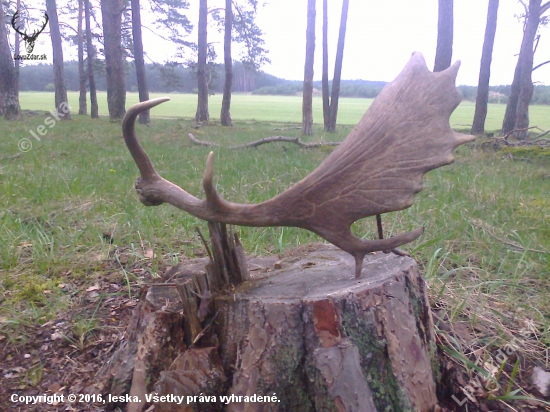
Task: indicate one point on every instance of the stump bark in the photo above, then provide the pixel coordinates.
(303, 334)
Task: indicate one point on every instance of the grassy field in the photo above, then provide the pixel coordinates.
(279, 108)
(68, 205)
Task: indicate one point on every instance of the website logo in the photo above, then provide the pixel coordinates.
(29, 39)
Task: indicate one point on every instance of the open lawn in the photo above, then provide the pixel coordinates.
(70, 221)
(278, 108)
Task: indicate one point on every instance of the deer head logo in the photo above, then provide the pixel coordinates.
(29, 40)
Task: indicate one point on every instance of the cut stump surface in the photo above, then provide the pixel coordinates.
(308, 332)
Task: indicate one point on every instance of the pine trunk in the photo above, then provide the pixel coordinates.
(82, 104)
(90, 57)
(225, 115)
(324, 78)
(516, 116)
(304, 332)
(335, 94)
(61, 100)
(307, 102)
(111, 12)
(445, 21)
(9, 93)
(17, 48)
(202, 115)
(526, 57)
(143, 89)
(482, 98)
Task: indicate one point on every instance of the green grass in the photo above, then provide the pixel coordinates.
(486, 216)
(278, 108)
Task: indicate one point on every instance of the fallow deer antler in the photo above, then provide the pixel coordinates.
(377, 169)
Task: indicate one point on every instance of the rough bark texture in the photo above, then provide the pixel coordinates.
(111, 12)
(335, 92)
(17, 47)
(225, 115)
(526, 61)
(444, 50)
(143, 89)
(303, 329)
(61, 100)
(324, 78)
(82, 104)
(307, 100)
(90, 58)
(482, 98)
(9, 92)
(202, 114)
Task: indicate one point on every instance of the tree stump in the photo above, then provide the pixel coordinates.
(302, 335)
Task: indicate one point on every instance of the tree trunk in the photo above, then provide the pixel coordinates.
(335, 95)
(510, 113)
(9, 93)
(482, 98)
(324, 78)
(139, 60)
(521, 91)
(526, 57)
(225, 115)
(61, 100)
(111, 12)
(304, 333)
(17, 47)
(90, 57)
(444, 50)
(82, 105)
(307, 103)
(202, 82)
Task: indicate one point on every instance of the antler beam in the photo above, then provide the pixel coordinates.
(377, 169)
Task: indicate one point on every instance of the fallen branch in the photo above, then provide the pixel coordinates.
(287, 128)
(11, 157)
(505, 137)
(201, 142)
(266, 140)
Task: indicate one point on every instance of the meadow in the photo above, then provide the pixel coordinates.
(68, 205)
(278, 108)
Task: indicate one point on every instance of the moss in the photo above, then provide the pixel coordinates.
(532, 151)
(387, 394)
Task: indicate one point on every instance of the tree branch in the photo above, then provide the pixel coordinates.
(265, 140)
(540, 65)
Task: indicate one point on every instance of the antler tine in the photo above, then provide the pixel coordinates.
(38, 31)
(13, 24)
(143, 162)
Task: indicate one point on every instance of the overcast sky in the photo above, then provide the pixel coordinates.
(381, 35)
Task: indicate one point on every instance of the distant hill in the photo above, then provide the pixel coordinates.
(170, 78)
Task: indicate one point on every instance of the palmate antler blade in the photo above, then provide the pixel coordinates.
(377, 169)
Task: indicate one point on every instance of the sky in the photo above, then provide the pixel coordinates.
(381, 36)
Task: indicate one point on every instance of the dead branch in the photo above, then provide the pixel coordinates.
(265, 140)
(11, 157)
(505, 137)
(294, 140)
(202, 142)
(287, 128)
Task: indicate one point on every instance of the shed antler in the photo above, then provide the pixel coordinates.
(377, 169)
